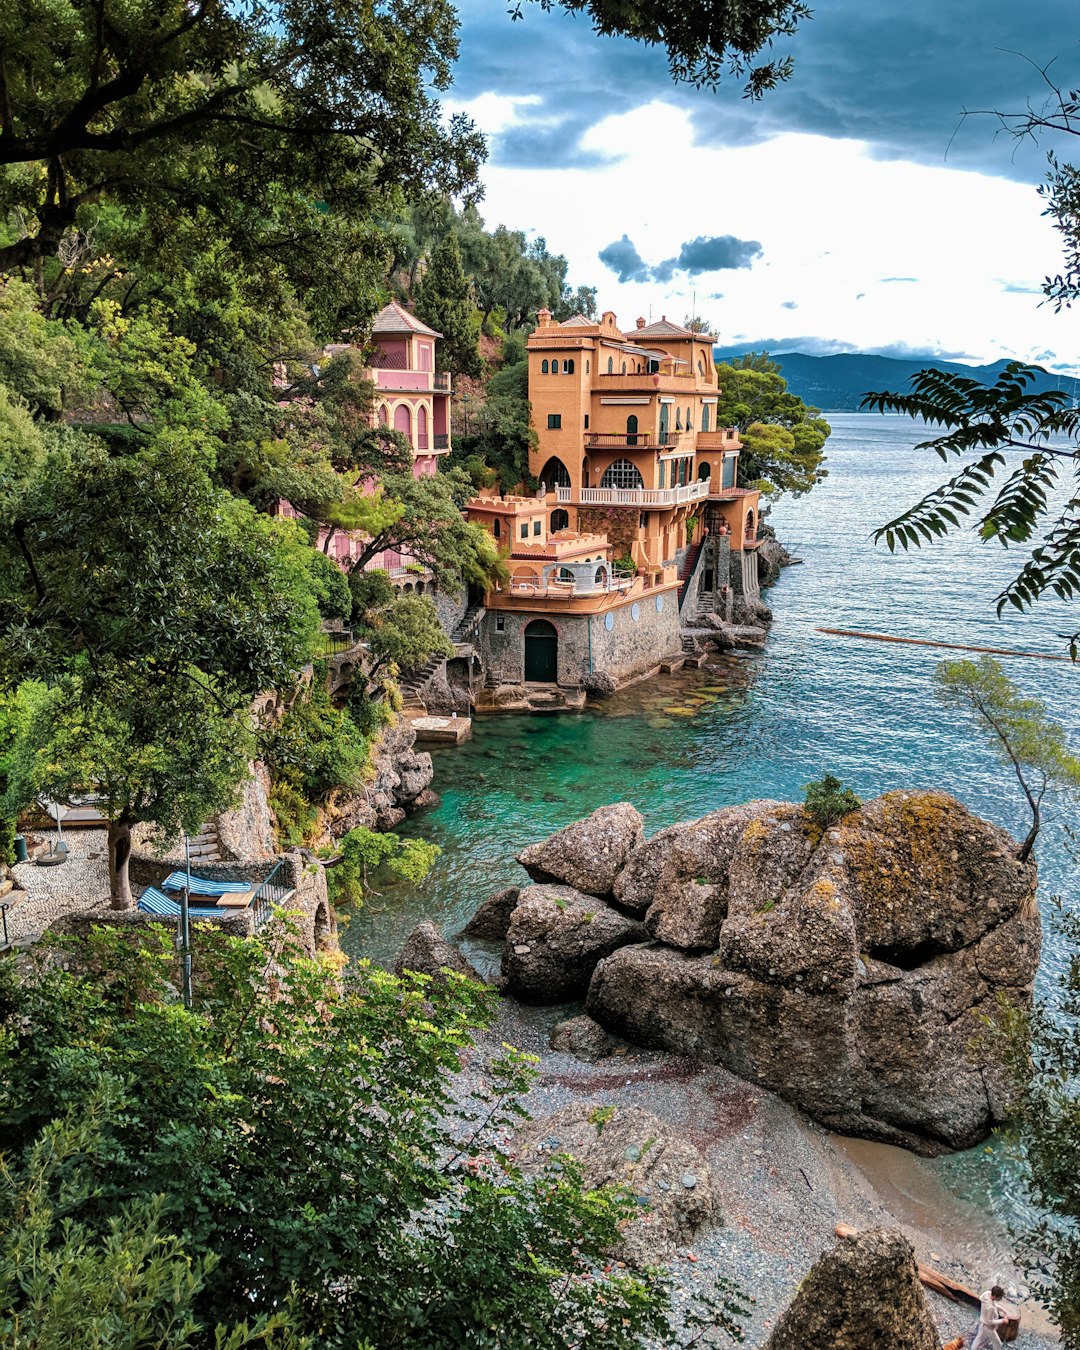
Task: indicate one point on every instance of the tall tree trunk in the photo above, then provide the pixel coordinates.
(1032, 834)
(120, 896)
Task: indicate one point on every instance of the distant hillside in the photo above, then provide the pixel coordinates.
(838, 383)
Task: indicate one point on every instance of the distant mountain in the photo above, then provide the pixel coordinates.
(838, 383)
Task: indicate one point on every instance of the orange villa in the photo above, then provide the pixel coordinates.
(638, 524)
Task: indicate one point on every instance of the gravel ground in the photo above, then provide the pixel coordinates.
(80, 883)
(781, 1181)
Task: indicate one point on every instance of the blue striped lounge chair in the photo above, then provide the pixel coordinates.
(153, 901)
(176, 881)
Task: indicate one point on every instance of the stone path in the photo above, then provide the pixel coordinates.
(80, 883)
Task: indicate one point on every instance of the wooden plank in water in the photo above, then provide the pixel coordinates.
(931, 1278)
(951, 646)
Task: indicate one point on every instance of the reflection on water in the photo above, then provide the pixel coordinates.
(763, 725)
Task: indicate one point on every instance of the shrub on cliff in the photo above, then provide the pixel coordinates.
(308, 1144)
(827, 800)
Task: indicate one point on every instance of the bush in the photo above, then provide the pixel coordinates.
(364, 851)
(827, 800)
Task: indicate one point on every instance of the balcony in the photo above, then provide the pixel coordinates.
(727, 438)
(441, 441)
(639, 497)
(441, 382)
(670, 441)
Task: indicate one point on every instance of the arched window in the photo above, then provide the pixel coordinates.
(384, 416)
(611, 365)
(622, 474)
(568, 367)
(560, 520)
(689, 420)
(700, 366)
(631, 429)
(421, 428)
(704, 471)
(624, 367)
(543, 367)
(678, 419)
(750, 526)
(566, 575)
(704, 417)
(554, 367)
(403, 420)
(555, 473)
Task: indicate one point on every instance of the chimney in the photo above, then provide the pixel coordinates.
(544, 318)
(640, 322)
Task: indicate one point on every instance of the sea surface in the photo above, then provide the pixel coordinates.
(764, 725)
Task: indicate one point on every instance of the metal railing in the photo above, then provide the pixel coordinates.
(441, 441)
(334, 643)
(274, 891)
(441, 381)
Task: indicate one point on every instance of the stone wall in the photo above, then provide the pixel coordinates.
(587, 646)
(247, 831)
(450, 608)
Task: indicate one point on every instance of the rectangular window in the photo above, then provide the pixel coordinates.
(525, 530)
(500, 623)
(586, 421)
(554, 421)
(663, 472)
(536, 527)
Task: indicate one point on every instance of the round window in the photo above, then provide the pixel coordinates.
(659, 603)
(635, 612)
(609, 621)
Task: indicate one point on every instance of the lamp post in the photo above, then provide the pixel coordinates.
(185, 927)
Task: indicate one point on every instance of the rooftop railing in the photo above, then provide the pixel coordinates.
(641, 497)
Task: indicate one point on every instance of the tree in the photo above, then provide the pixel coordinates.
(1021, 734)
(315, 1134)
(363, 851)
(429, 527)
(154, 608)
(443, 300)
(405, 636)
(984, 423)
(264, 116)
(784, 437)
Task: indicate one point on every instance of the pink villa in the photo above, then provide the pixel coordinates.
(412, 397)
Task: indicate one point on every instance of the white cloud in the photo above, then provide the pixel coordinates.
(493, 113)
(834, 224)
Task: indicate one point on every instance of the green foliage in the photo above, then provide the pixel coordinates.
(982, 423)
(127, 1284)
(367, 1197)
(315, 748)
(406, 635)
(784, 437)
(269, 122)
(828, 800)
(364, 851)
(1022, 735)
(443, 301)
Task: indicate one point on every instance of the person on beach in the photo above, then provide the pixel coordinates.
(990, 1318)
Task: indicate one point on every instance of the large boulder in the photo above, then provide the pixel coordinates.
(583, 1038)
(853, 971)
(556, 937)
(589, 854)
(862, 1293)
(628, 1147)
(492, 919)
(427, 952)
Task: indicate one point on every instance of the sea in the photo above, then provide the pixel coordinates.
(763, 725)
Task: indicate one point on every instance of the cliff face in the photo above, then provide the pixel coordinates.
(401, 783)
(856, 973)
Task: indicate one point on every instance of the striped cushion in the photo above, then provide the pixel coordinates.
(176, 881)
(153, 902)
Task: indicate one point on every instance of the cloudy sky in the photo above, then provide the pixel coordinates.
(853, 209)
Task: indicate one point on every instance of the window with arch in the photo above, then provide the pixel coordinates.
(700, 366)
(384, 416)
(689, 419)
(403, 420)
(543, 367)
(678, 419)
(496, 529)
(622, 474)
(611, 365)
(704, 417)
(588, 366)
(560, 520)
(631, 429)
(555, 473)
(624, 367)
(554, 367)
(568, 367)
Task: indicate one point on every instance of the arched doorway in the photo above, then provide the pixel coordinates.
(704, 471)
(541, 652)
(560, 520)
(631, 430)
(555, 473)
(421, 428)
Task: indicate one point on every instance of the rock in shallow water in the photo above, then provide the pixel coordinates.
(589, 854)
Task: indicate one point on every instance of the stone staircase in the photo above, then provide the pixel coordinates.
(470, 622)
(690, 561)
(205, 847)
(412, 685)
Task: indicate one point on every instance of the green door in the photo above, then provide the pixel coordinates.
(541, 653)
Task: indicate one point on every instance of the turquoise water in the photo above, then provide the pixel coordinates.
(764, 725)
